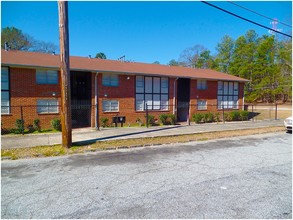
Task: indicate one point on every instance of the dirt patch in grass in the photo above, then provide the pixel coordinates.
(57, 150)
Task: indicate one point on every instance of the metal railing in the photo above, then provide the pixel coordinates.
(28, 119)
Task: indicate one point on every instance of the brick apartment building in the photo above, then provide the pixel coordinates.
(107, 88)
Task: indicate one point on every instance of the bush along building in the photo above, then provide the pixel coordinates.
(102, 89)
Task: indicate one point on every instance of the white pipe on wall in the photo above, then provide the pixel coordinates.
(96, 101)
(174, 97)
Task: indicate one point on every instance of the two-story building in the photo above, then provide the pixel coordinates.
(106, 88)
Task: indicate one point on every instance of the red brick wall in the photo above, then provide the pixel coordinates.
(210, 95)
(24, 91)
(125, 94)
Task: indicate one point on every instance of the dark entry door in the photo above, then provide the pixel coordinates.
(183, 99)
(80, 99)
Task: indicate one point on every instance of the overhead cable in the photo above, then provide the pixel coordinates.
(245, 19)
(258, 13)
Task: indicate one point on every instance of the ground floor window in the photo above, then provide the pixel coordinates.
(201, 105)
(47, 106)
(152, 92)
(5, 107)
(110, 106)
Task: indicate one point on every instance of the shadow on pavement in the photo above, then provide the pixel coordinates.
(91, 141)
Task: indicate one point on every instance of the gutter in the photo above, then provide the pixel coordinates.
(124, 72)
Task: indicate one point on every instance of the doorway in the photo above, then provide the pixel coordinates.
(183, 99)
(80, 99)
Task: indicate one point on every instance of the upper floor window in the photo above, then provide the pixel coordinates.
(109, 79)
(202, 84)
(47, 77)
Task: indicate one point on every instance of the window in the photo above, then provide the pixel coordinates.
(5, 99)
(47, 77)
(228, 95)
(47, 106)
(201, 84)
(140, 84)
(153, 92)
(201, 105)
(110, 79)
(110, 106)
(139, 102)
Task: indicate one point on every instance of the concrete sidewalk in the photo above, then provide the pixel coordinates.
(89, 135)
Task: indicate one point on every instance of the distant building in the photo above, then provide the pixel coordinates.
(106, 88)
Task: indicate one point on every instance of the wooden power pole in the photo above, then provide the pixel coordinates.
(65, 75)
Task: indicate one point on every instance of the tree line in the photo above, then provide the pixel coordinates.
(14, 39)
(264, 60)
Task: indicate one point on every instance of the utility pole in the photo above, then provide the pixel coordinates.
(65, 75)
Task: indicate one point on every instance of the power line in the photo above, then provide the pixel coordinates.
(246, 19)
(258, 13)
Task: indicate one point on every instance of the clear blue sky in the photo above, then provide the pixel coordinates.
(142, 31)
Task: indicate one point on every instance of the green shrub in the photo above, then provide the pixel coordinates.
(30, 128)
(168, 119)
(244, 115)
(104, 122)
(19, 123)
(163, 119)
(217, 117)
(197, 118)
(208, 117)
(227, 116)
(36, 125)
(151, 120)
(235, 115)
(56, 124)
(172, 118)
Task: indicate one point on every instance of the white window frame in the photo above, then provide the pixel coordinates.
(202, 84)
(201, 104)
(45, 106)
(108, 106)
(110, 79)
(49, 77)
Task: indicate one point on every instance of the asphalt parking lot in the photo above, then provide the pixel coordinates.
(243, 177)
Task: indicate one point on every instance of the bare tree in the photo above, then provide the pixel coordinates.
(190, 56)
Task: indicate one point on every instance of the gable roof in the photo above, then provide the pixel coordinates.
(37, 60)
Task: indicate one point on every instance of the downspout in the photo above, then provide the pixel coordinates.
(97, 125)
(174, 98)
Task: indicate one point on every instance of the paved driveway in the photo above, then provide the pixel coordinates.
(247, 177)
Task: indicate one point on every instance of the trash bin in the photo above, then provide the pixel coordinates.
(118, 119)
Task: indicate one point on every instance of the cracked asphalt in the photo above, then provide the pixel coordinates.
(243, 177)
